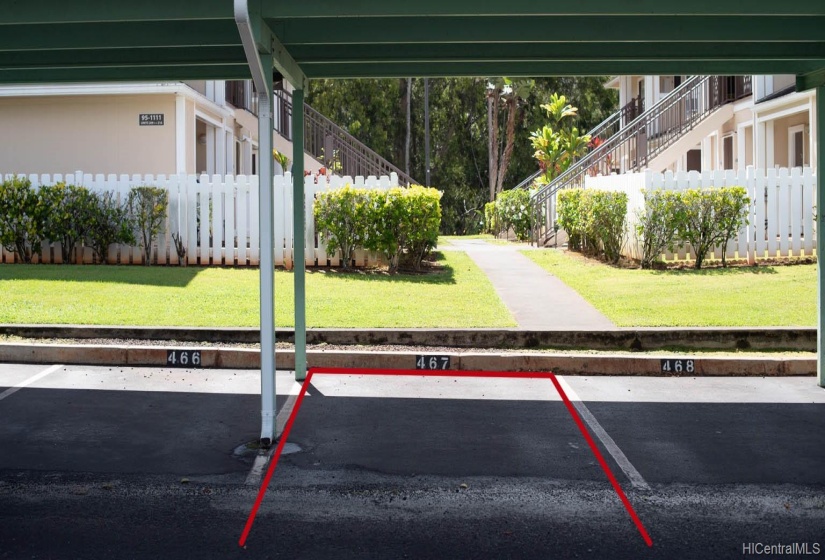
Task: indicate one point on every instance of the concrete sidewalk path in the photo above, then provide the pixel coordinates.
(536, 298)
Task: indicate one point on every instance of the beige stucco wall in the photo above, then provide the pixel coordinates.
(94, 134)
(780, 138)
(191, 137)
(748, 155)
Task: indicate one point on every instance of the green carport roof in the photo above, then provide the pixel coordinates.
(43, 41)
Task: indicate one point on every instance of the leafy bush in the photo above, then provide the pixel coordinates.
(491, 221)
(605, 221)
(69, 215)
(110, 223)
(401, 223)
(22, 216)
(658, 224)
(594, 220)
(341, 216)
(423, 218)
(514, 211)
(385, 222)
(711, 217)
(570, 217)
(147, 208)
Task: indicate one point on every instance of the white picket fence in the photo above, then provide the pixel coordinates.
(217, 218)
(780, 217)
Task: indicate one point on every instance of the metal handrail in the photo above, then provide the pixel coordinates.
(637, 143)
(337, 149)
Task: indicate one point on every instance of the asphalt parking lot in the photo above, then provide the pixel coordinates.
(152, 463)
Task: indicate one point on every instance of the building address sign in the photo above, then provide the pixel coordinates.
(151, 119)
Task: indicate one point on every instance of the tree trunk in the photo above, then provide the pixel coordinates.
(510, 135)
(409, 128)
(492, 143)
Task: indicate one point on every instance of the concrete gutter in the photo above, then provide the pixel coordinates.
(770, 338)
(573, 364)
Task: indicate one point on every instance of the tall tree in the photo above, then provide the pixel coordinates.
(505, 101)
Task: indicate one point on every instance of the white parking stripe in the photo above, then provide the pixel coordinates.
(12, 390)
(627, 467)
(258, 466)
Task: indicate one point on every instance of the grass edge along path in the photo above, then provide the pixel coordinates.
(458, 296)
(762, 296)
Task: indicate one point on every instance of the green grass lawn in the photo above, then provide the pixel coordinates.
(458, 296)
(733, 297)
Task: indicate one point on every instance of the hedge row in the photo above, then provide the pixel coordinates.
(595, 221)
(75, 217)
(510, 210)
(701, 218)
(400, 223)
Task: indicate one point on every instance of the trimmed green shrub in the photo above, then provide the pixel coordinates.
(491, 221)
(110, 223)
(605, 221)
(422, 220)
(385, 223)
(147, 208)
(22, 216)
(341, 216)
(70, 213)
(570, 217)
(658, 224)
(514, 211)
(594, 220)
(400, 223)
(711, 217)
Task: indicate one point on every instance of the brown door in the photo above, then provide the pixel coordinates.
(694, 160)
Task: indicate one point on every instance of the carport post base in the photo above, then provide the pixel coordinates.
(820, 246)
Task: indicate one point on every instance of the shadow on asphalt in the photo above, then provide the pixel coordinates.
(195, 433)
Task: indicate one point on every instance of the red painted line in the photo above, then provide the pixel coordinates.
(438, 373)
(616, 486)
(274, 462)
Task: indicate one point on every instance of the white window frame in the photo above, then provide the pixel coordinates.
(725, 137)
(792, 132)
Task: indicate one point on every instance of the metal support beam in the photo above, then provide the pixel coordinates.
(820, 246)
(374, 8)
(810, 80)
(299, 233)
(388, 31)
(266, 212)
(260, 65)
(261, 73)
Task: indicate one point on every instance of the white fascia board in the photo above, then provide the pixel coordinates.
(142, 88)
(210, 120)
(613, 82)
(796, 102)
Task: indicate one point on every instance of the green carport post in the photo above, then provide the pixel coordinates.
(820, 246)
(299, 233)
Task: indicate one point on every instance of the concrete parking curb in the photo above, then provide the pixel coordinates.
(763, 338)
(569, 364)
